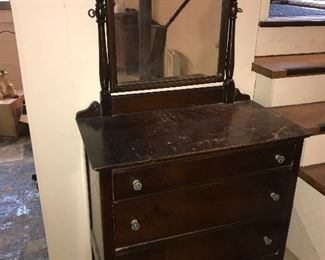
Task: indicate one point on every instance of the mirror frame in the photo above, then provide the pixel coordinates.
(104, 13)
(165, 82)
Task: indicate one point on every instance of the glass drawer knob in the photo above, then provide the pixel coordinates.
(135, 226)
(280, 158)
(137, 185)
(268, 241)
(275, 196)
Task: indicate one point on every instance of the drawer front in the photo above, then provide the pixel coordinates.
(173, 213)
(176, 175)
(252, 241)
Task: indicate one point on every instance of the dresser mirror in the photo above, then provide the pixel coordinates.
(150, 44)
(174, 41)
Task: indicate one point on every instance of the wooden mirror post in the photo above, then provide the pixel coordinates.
(229, 83)
(104, 67)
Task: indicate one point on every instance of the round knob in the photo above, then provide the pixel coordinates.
(137, 185)
(268, 241)
(135, 226)
(280, 158)
(92, 13)
(275, 196)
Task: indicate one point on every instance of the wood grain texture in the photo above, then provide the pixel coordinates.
(168, 99)
(201, 207)
(290, 65)
(314, 175)
(156, 136)
(241, 242)
(131, 103)
(309, 116)
(171, 176)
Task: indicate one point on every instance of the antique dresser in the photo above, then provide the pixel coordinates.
(201, 173)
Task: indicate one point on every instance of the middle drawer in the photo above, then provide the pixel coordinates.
(173, 213)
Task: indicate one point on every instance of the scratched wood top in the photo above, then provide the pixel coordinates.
(155, 136)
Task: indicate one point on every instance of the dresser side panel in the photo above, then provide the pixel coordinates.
(96, 214)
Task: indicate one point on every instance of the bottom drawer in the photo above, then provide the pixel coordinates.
(250, 241)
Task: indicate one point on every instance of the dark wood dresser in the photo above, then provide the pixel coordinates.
(207, 182)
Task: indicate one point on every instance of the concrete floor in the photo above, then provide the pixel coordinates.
(21, 225)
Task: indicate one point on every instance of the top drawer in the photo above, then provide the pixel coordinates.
(178, 174)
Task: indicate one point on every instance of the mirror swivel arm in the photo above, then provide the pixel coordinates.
(100, 13)
(229, 84)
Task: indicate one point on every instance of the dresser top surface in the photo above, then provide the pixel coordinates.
(148, 137)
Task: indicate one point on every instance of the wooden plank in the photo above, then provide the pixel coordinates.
(168, 99)
(309, 116)
(290, 65)
(315, 176)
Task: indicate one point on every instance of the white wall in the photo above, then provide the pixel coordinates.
(58, 54)
(290, 40)
(246, 35)
(57, 45)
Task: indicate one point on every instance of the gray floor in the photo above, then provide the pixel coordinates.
(21, 224)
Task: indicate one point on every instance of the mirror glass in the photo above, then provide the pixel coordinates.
(159, 40)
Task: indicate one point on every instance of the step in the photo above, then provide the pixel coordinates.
(309, 116)
(314, 175)
(283, 66)
(289, 91)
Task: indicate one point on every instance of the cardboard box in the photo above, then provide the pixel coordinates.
(10, 111)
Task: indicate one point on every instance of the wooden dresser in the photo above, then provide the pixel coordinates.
(207, 182)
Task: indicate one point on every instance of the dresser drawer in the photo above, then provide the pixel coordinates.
(251, 241)
(175, 175)
(167, 214)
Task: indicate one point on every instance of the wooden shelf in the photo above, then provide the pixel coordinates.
(283, 66)
(314, 175)
(309, 116)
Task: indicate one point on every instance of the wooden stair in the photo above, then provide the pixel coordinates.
(309, 116)
(283, 66)
(314, 175)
